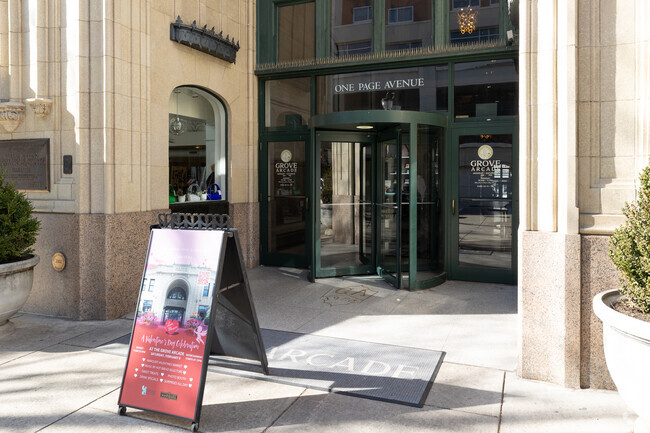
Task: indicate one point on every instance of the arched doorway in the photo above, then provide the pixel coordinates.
(176, 302)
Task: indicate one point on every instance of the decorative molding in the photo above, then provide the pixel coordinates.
(11, 115)
(41, 106)
(204, 40)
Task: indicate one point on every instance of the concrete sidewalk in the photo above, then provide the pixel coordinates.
(53, 378)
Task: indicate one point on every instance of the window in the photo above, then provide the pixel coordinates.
(206, 290)
(400, 15)
(152, 282)
(361, 14)
(343, 50)
(408, 24)
(485, 89)
(351, 27)
(296, 32)
(480, 24)
(197, 142)
(288, 103)
(203, 311)
(146, 306)
(144, 285)
(404, 46)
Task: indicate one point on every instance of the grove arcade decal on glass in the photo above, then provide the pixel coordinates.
(167, 355)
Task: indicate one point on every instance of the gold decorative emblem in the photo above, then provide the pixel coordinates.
(58, 262)
(467, 20)
(485, 151)
(286, 155)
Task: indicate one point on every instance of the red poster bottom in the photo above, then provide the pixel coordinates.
(163, 373)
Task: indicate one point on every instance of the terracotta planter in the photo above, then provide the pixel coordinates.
(15, 285)
(626, 342)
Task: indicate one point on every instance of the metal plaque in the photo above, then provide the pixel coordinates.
(26, 163)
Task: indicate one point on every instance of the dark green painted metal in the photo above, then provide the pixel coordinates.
(342, 118)
(378, 23)
(413, 206)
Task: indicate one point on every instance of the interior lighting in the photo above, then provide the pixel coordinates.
(176, 124)
(364, 127)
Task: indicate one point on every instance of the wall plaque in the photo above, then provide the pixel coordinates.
(26, 163)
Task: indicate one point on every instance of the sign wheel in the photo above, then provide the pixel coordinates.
(121, 410)
(195, 427)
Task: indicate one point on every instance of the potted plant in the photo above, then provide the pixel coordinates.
(18, 230)
(625, 312)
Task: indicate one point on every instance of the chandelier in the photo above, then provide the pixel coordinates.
(176, 124)
(467, 19)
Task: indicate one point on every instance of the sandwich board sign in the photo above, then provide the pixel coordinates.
(194, 301)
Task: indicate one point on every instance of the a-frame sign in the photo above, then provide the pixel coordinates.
(194, 301)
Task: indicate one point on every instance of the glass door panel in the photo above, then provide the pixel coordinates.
(429, 232)
(344, 217)
(286, 204)
(389, 209)
(484, 239)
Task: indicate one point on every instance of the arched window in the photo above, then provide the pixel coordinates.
(197, 140)
(177, 293)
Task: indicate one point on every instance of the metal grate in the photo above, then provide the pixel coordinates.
(194, 221)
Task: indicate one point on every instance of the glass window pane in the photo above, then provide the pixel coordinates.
(416, 89)
(197, 143)
(287, 197)
(485, 89)
(287, 103)
(408, 24)
(351, 27)
(430, 230)
(485, 201)
(472, 21)
(345, 204)
(296, 32)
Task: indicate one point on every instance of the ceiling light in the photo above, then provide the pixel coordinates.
(365, 126)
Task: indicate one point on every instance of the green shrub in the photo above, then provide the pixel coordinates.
(18, 228)
(630, 247)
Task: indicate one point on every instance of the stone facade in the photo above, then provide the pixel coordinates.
(584, 138)
(106, 71)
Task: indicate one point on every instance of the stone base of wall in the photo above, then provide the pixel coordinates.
(598, 274)
(245, 218)
(105, 256)
(561, 337)
(549, 300)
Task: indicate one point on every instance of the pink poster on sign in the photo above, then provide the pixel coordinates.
(167, 351)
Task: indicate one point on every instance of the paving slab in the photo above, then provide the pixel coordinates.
(46, 386)
(33, 333)
(102, 334)
(468, 389)
(230, 403)
(332, 413)
(539, 407)
(419, 331)
(496, 347)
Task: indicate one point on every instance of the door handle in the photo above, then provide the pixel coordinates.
(453, 207)
(307, 204)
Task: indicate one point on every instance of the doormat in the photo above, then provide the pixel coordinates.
(382, 372)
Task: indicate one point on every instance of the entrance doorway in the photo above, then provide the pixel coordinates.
(392, 193)
(378, 204)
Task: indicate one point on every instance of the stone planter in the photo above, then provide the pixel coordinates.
(15, 285)
(626, 342)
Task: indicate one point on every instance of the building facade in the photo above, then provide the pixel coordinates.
(419, 140)
(104, 86)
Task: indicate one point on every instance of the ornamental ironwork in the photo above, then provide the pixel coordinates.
(194, 221)
(204, 40)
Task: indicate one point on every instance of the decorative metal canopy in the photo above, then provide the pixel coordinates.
(204, 40)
